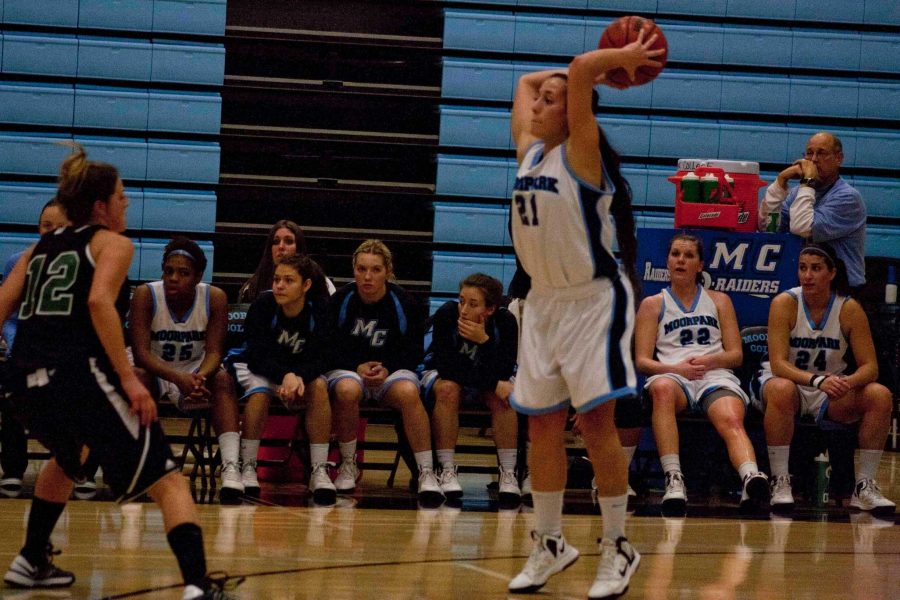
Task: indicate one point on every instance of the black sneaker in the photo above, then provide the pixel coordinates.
(22, 574)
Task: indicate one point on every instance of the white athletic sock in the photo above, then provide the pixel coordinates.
(446, 457)
(868, 464)
(778, 460)
(670, 462)
(424, 459)
(747, 468)
(348, 450)
(548, 512)
(249, 450)
(507, 458)
(230, 446)
(318, 453)
(613, 510)
(629, 454)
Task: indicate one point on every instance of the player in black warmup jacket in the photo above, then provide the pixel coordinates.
(375, 337)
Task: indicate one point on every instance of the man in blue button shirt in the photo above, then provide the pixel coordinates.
(824, 207)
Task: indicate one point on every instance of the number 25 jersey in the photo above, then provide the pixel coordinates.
(561, 227)
(180, 342)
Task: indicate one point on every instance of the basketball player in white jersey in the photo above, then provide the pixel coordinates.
(811, 329)
(178, 327)
(576, 334)
(687, 341)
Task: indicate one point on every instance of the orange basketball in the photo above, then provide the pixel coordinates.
(622, 32)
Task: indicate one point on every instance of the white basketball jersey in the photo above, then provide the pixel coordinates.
(687, 332)
(180, 343)
(561, 227)
(818, 348)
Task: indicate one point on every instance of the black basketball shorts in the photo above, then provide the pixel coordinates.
(82, 403)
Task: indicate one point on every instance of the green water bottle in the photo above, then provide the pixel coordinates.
(774, 219)
(690, 187)
(709, 189)
(823, 476)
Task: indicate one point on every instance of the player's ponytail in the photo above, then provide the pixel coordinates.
(620, 208)
(82, 182)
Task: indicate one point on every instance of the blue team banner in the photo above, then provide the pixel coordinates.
(752, 268)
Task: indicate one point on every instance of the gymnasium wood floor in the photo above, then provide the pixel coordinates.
(376, 544)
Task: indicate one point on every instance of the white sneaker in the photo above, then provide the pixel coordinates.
(755, 492)
(86, 490)
(618, 562)
(526, 486)
(508, 490)
(449, 482)
(232, 487)
(22, 574)
(348, 475)
(781, 498)
(550, 555)
(867, 496)
(430, 493)
(248, 478)
(11, 487)
(323, 490)
(674, 502)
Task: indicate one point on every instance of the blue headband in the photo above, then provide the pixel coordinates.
(182, 253)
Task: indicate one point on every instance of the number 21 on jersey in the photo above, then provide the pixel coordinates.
(527, 207)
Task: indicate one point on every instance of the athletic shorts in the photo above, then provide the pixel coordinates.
(576, 348)
(469, 395)
(251, 383)
(83, 404)
(698, 390)
(813, 401)
(371, 394)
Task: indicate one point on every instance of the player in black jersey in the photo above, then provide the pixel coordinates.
(283, 358)
(472, 356)
(375, 333)
(77, 386)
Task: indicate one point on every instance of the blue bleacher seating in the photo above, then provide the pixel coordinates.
(135, 214)
(449, 268)
(877, 148)
(40, 54)
(759, 94)
(111, 108)
(879, 100)
(630, 136)
(189, 112)
(692, 7)
(169, 210)
(479, 30)
(671, 136)
(879, 53)
(112, 58)
(757, 46)
(644, 7)
(765, 143)
(838, 11)
(821, 97)
(60, 13)
(204, 17)
(882, 12)
(660, 191)
(470, 224)
(881, 195)
(36, 103)
(21, 203)
(637, 179)
(826, 49)
(883, 240)
(694, 43)
(477, 79)
(549, 35)
(468, 176)
(32, 153)
(676, 89)
(169, 160)
(475, 128)
(129, 155)
(122, 15)
(182, 62)
(761, 9)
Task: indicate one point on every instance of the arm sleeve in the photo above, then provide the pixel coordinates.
(842, 214)
(772, 201)
(261, 356)
(409, 352)
(802, 211)
(313, 357)
(443, 344)
(496, 359)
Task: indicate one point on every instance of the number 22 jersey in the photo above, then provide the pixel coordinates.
(561, 227)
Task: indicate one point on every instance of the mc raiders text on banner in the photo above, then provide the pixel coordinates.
(752, 268)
